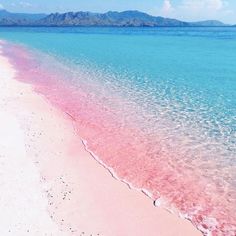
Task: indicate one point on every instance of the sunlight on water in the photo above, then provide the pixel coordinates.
(159, 110)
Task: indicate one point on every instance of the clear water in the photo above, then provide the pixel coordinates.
(157, 105)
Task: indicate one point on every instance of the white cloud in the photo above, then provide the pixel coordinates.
(165, 10)
(167, 7)
(214, 4)
(195, 10)
(21, 4)
(198, 5)
(25, 4)
(202, 9)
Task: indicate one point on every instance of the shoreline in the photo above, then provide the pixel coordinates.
(80, 193)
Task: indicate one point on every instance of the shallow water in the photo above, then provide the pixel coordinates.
(157, 105)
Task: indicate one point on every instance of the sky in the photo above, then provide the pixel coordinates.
(188, 10)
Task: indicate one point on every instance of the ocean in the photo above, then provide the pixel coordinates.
(155, 106)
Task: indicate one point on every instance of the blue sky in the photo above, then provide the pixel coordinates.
(190, 10)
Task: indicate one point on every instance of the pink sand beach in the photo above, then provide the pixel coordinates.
(50, 185)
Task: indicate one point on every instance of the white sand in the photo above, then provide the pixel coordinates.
(23, 204)
(51, 186)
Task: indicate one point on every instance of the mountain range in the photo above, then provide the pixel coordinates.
(111, 18)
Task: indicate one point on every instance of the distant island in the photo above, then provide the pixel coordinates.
(111, 18)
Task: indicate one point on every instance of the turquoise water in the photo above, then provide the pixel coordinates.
(176, 87)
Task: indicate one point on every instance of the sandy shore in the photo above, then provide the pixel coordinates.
(50, 185)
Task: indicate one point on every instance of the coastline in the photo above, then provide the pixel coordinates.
(78, 195)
